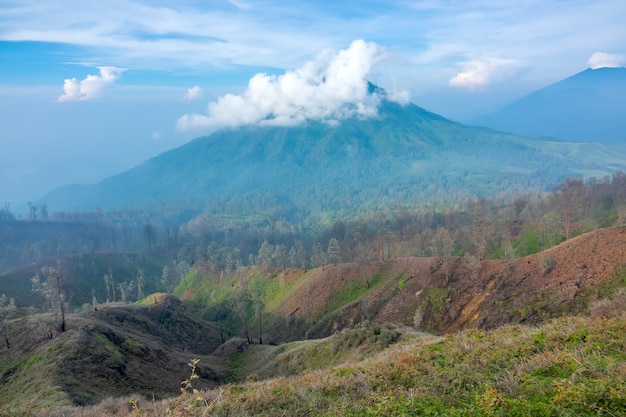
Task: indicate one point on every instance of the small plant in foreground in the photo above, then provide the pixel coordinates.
(191, 399)
(184, 405)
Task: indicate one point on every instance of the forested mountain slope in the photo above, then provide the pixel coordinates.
(405, 155)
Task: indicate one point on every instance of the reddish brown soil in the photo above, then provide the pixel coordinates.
(523, 290)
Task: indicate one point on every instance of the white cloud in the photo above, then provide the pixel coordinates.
(240, 5)
(91, 86)
(478, 74)
(604, 60)
(330, 88)
(193, 93)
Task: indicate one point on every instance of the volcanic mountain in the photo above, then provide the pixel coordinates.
(588, 106)
(404, 155)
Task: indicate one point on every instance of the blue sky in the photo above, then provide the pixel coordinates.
(89, 89)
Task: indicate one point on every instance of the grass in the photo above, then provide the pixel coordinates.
(573, 366)
(215, 298)
(568, 367)
(31, 372)
(352, 291)
(289, 359)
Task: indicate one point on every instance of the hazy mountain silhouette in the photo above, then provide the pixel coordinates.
(405, 155)
(589, 106)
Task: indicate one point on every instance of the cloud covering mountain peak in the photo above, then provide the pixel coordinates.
(330, 88)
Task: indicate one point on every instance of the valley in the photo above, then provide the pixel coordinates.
(402, 264)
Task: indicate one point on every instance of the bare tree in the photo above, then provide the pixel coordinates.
(257, 295)
(241, 304)
(333, 252)
(301, 254)
(149, 233)
(51, 290)
(473, 264)
(141, 280)
(280, 255)
(264, 257)
(477, 212)
(109, 283)
(293, 257)
(5, 213)
(567, 200)
(443, 246)
(32, 211)
(169, 278)
(126, 290)
(44, 212)
(318, 255)
(7, 308)
(509, 250)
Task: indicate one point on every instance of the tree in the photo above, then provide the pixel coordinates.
(141, 280)
(477, 212)
(293, 257)
(301, 254)
(318, 256)
(7, 309)
(473, 264)
(44, 212)
(334, 251)
(241, 304)
(51, 290)
(126, 290)
(149, 233)
(169, 278)
(443, 245)
(264, 257)
(382, 224)
(5, 212)
(567, 200)
(509, 250)
(109, 283)
(257, 295)
(32, 211)
(280, 255)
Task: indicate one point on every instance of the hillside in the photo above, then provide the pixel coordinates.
(404, 154)
(374, 312)
(570, 366)
(115, 351)
(434, 294)
(415, 291)
(587, 107)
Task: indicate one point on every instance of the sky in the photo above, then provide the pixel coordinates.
(91, 89)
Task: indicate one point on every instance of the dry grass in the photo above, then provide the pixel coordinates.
(567, 367)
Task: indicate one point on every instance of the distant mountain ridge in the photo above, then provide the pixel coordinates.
(406, 155)
(589, 106)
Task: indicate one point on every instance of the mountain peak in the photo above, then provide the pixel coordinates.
(352, 165)
(587, 106)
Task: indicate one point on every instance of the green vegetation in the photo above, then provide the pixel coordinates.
(571, 366)
(352, 291)
(430, 312)
(294, 358)
(245, 279)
